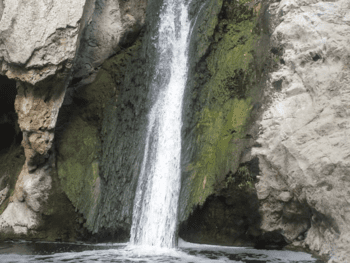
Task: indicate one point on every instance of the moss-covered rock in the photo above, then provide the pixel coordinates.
(224, 83)
(79, 138)
(78, 166)
(122, 143)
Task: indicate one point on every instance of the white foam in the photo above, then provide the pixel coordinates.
(186, 253)
(157, 194)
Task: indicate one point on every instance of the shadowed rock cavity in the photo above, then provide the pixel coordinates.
(11, 153)
(10, 132)
(231, 217)
(223, 220)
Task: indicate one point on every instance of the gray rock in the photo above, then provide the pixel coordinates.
(38, 38)
(284, 196)
(3, 194)
(262, 191)
(304, 131)
(1, 8)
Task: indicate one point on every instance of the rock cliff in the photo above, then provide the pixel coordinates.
(303, 131)
(297, 128)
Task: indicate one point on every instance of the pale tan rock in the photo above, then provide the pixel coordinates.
(18, 218)
(38, 38)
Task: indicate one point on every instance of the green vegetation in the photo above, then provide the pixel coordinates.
(242, 179)
(77, 164)
(207, 28)
(217, 133)
(227, 98)
(79, 143)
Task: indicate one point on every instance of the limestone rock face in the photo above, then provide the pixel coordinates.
(39, 38)
(304, 189)
(1, 8)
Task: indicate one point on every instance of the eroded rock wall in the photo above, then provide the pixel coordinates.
(88, 150)
(300, 140)
(303, 132)
(38, 43)
(43, 45)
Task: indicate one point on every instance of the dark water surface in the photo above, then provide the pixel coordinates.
(22, 251)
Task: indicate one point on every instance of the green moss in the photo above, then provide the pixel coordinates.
(217, 131)
(77, 164)
(242, 179)
(227, 98)
(207, 28)
(79, 138)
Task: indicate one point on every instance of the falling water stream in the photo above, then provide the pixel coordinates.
(156, 200)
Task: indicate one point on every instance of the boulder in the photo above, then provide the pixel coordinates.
(38, 39)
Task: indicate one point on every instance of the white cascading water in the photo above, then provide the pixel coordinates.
(157, 194)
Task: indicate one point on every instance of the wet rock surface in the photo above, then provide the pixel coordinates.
(123, 131)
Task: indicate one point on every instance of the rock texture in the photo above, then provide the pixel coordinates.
(97, 190)
(3, 193)
(38, 43)
(304, 130)
(113, 24)
(229, 218)
(37, 39)
(42, 45)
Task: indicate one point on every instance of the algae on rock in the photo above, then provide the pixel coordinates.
(223, 101)
(78, 167)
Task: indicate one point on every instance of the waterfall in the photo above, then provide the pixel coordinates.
(156, 200)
